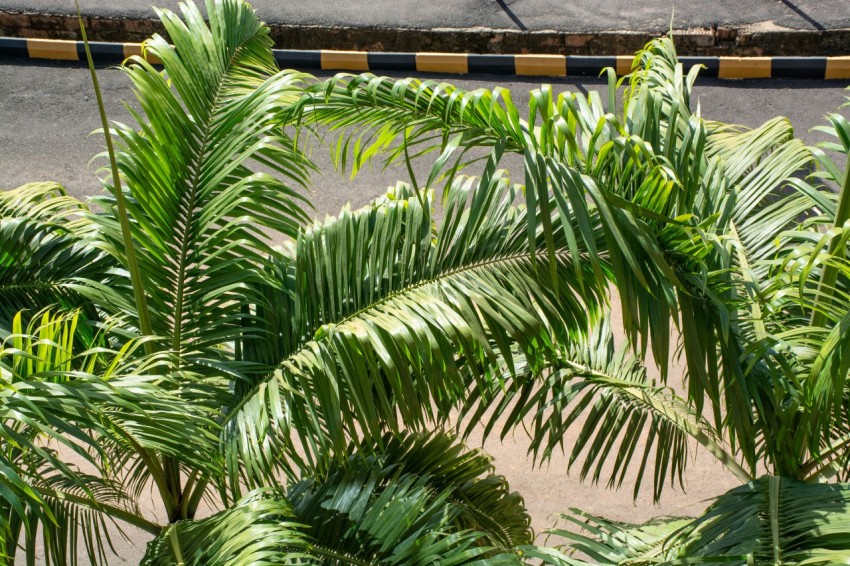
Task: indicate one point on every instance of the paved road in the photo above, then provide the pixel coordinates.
(532, 15)
(47, 113)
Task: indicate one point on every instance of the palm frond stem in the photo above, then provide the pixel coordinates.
(811, 469)
(829, 275)
(132, 264)
(111, 510)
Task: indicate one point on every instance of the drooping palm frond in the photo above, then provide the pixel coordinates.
(663, 185)
(622, 415)
(418, 499)
(607, 542)
(208, 175)
(54, 410)
(47, 258)
(776, 520)
(570, 145)
(771, 520)
(384, 321)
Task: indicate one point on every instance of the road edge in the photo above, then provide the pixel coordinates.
(743, 41)
(824, 68)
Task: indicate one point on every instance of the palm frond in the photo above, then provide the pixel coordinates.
(621, 414)
(52, 408)
(680, 201)
(805, 302)
(200, 203)
(771, 520)
(380, 314)
(775, 520)
(44, 202)
(421, 499)
(257, 530)
(611, 542)
(47, 258)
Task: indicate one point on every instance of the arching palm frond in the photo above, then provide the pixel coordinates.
(384, 321)
(570, 145)
(54, 410)
(601, 541)
(623, 416)
(775, 520)
(208, 174)
(664, 186)
(418, 499)
(771, 520)
(44, 202)
(47, 258)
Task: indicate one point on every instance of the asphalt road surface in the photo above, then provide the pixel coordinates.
(525, 15)
(47, 112)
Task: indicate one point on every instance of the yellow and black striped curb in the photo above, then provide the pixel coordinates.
(461, 63)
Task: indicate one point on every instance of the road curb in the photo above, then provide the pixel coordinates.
(457, 63)
(739, 41)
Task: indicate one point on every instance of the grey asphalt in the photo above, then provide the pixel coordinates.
(523, 15)
(47, 112)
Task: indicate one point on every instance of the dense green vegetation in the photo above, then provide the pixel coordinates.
(318, 394)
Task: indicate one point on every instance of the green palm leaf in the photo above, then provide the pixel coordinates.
(774, 520)
(54, 408)
(258, 530)
(606, 393)
(610, 542)
(771, 520)
(421, 499)
(199, 204)
(666, 186)
(385, 322)
(47, 258)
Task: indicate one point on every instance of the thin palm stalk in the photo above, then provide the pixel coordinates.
(132, 265)
(829, 275)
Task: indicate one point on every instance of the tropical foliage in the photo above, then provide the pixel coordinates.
(308, 393)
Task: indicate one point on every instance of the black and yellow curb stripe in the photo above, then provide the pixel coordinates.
(461, 63)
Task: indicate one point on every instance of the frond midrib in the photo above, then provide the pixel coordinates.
(457, 123)
(303, 346)
(59, 284)
(190, 201)
(131, 517)
(661, 408)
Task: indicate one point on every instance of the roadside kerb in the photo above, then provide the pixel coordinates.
(739, 40)
(837, 67)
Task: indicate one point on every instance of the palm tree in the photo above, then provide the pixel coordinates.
(247, 367)
(294, 388)
(697, 224)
